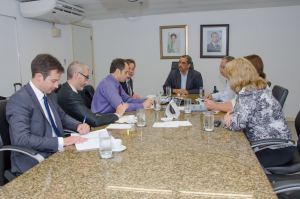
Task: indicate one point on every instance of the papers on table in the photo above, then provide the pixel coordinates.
(119, 126)
(152, 106)
(181, 108)
(122, 119)
(93, 140)
(174, 124)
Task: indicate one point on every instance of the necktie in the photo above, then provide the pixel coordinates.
(120, 89)
(129, 88)
(51, 118)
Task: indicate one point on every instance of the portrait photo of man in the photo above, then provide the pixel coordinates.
(173, 45)
(214, 45)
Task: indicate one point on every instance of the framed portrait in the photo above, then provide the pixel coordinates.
(173, 41)
(214, 41)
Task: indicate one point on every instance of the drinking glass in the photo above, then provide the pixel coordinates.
(105, 145)
(208, 121)
(157, 103)
(141, 118)
(201, 92)
(168, 91)
(187, 105)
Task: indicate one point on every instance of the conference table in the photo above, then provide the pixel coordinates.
(183, 162)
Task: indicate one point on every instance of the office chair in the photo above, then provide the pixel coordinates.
(5, 174)
(283, 178)
(280, 94)
(87, 95)
(174, 65)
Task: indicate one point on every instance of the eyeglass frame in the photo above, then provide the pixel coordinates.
(87, 77)
(221, 66)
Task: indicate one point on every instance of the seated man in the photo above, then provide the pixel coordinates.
(71, 102)
(184, 80)
(227, 94)
(128, 84)
(109, 94)
(35, 119)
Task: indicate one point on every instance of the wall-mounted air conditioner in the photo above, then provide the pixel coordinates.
(51, 10)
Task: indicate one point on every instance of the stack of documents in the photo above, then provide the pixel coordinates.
(174, 124)
(93, 140)
(119, 126)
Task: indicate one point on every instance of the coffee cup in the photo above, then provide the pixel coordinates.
(116, 144)
(131, 118)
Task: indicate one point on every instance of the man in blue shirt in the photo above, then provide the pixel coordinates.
(226, 94)
(109, 94)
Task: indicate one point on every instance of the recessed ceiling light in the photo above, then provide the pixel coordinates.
(132, 0)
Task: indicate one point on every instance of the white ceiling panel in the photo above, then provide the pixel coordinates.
(107, 9)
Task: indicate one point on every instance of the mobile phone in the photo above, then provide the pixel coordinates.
(217, 123)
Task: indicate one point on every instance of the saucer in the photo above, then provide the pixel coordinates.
(166, 119)
(122, 148)
(131, 122)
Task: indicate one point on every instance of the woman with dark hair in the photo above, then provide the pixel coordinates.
(257, 113)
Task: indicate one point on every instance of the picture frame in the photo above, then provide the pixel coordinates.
(214, 41)
(173, 41)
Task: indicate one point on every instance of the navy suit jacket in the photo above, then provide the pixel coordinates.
(29, 127)
(193, 82)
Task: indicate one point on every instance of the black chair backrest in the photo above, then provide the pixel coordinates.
(87, 95)
(4, 140)
(297, 123)
(175, 65)
(269, 84)
(280, 94)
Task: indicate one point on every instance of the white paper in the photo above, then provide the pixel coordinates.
(93, 140)
(179, 123)
(152, 106)
(181, 108)
(119, 126)
(151, 96)
(164, 125)
(122, 119)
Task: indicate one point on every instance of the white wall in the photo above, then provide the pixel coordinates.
(272, 33)
(34, 37)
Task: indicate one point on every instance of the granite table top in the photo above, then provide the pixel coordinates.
(183, 162)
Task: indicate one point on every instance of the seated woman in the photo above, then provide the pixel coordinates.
(256, 112)
(228, 106)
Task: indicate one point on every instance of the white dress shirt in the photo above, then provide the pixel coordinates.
(39, 94)
(226, 94)
(73, 89)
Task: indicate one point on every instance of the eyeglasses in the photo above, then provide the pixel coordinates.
(222, 66)
(87, 77)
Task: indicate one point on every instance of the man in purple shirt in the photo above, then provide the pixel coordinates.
(109, 94)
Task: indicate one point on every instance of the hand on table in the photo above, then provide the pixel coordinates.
(227, 119)
(208, 96)
(148, 102)
(74, 140)
(210, 105)
(135, 96)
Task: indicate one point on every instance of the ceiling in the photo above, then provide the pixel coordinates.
(108, 9)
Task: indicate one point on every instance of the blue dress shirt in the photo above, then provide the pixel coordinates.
(183, 80)
(225, 95)
(107, 98)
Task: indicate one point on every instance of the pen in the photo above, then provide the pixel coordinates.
(83, 122)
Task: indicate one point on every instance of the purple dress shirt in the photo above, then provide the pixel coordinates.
(107, 98)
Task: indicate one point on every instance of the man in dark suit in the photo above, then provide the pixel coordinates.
(128, 84)
(213, 46)
(35, 119)
(72, 103)
(184, 80)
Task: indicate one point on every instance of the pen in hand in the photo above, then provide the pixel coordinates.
(83, 122)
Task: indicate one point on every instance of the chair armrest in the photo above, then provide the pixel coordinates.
(266, 143)
(288, 185)
(27, 151)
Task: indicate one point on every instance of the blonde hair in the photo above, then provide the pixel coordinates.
(241, 73)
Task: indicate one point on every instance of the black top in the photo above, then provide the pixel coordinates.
(73, 105)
